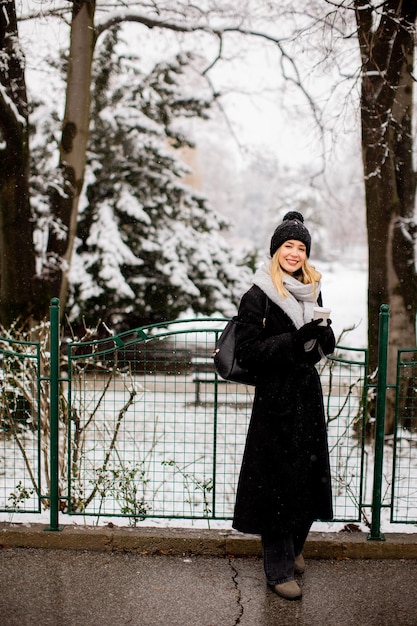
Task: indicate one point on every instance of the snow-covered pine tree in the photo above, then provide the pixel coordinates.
(149, 246)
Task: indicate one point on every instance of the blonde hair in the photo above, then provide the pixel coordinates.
(308, 275)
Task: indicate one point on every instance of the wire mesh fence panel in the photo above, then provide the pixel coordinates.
(20, 426)
(404, 469)
(156, 433)
(344, 379)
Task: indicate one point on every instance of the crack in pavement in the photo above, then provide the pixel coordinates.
(235, 575)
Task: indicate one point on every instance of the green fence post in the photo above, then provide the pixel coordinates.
(53, 415)
(381, 397)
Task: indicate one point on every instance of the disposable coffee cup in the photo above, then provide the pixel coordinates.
(320, 312)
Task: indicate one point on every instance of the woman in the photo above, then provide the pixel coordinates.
(284, 482)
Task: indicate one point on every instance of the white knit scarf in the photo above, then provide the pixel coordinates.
(301, 299)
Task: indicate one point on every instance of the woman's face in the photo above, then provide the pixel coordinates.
(291, 255)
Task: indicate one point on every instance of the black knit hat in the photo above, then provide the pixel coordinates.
(292, 227)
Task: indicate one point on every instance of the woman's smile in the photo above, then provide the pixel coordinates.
(292, 255)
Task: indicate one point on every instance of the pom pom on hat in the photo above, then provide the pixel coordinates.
(293, 215)
(292, 227)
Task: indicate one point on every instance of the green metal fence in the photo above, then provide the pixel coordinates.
(154, 431)
(139, 425)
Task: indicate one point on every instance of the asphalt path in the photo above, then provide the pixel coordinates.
(43, 587)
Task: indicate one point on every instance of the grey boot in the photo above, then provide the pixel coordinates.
(299, 564)
(289, 590)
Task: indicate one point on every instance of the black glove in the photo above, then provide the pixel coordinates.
(327, 339)
(311, 330)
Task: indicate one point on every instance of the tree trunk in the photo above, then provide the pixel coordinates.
(387, 51)
(72, 150)
(16, 224)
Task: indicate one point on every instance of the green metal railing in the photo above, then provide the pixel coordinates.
(54, 416)
(139, 425)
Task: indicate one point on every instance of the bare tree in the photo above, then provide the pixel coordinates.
(75, 132)
(386, 35)
(17, 258)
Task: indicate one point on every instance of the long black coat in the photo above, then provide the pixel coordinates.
(285, 474)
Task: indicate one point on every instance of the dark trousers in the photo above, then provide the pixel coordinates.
(279, 552)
